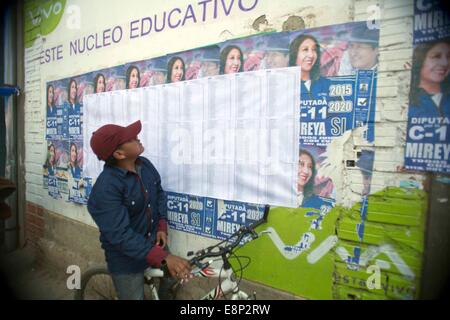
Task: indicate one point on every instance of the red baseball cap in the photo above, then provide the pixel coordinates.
(106, 139)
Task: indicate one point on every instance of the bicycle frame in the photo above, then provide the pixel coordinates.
(229, 284)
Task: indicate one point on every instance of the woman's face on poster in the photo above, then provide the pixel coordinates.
(51, 152)
(436, 65)
(233, 62)
(134, 79)
(304, 171)
(307, 55)
(73, 154)
(177, 71)
(73, 91)
(100, 84)
(50, 95)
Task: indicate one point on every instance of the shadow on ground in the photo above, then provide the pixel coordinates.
(23, 279)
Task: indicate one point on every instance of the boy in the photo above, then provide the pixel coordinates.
(128, 205)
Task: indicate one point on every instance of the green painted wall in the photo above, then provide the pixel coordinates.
(393, 236)
(41, 17)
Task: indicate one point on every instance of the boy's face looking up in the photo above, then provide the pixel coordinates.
(129, 150)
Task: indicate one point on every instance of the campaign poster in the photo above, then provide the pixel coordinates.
(204, 62)
(85, 86)
(57, 123)
(210, 217)
(428, 130)
(240, 55)
(134, 75)
(154, 71)
(74, 170)
(61, 167)
(74, 109)
(338, 89)
(55, 168)
(182, 66)
(271, 51)
(193, 64)
(79, 190)
(109, 79)
(51, 114)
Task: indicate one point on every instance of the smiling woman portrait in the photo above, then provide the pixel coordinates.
(176, 70)
(430, 83)
(231, 60)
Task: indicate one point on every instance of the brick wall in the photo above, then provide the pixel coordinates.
(34, 229)
(35, 149)
(34, 224)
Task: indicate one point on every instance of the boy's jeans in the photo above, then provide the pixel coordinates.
(131, 286)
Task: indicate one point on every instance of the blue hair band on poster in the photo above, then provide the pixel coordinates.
(212, 54)
(157, 64)
(364, 35)
(277, 44)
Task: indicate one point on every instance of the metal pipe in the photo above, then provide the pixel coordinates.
(9, 77)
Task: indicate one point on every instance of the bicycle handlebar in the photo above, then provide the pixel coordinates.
(240, 234)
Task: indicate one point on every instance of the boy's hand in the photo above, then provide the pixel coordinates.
(161, 239)
(178, 267)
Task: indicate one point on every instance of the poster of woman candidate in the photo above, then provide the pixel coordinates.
(428, 136)
(51, 122)
(74, 172)
(338, 81)
(73, 108)
(182, 66)
(55, 168)
(109, 79)
(240, 55)
(56, 115)
(193, 64)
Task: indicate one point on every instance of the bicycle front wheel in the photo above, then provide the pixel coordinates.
(96, 284)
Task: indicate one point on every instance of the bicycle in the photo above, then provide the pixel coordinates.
(97, 283)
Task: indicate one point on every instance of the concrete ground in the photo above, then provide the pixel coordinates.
(28, 281)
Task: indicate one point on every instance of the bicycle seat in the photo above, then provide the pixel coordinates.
(153, 272)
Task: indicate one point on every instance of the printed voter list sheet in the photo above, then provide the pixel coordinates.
(230, 137)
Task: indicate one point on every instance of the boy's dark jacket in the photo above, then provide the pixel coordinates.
(129, 209)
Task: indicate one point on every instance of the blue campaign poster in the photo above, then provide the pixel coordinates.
(428, 136)
(209, 217)
(338, 94)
